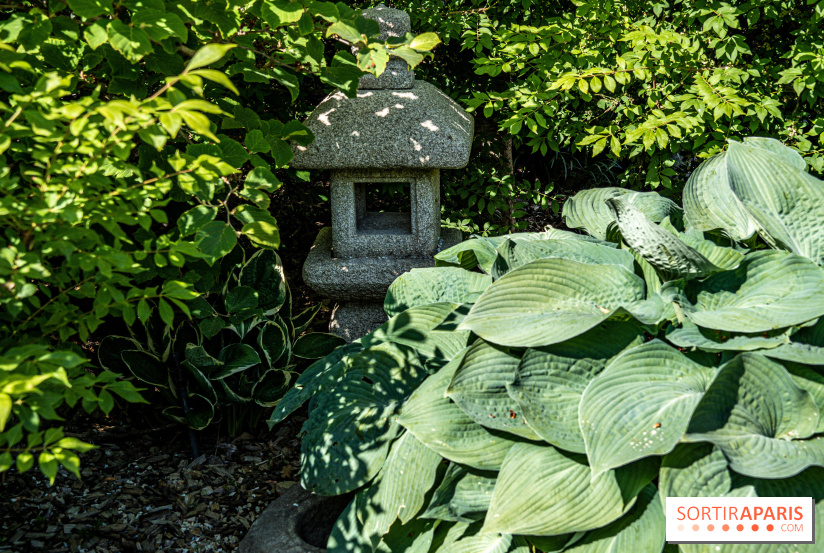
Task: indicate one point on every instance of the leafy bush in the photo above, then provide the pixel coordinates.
(560, 395)
(139, 146)
(237, 360)
(651, 87)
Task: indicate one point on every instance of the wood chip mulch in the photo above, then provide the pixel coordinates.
(143, 492)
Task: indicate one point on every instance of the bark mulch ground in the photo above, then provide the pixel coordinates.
(142, 491)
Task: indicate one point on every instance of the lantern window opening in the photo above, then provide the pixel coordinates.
(383, 207)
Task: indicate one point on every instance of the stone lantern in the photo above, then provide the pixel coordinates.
(400, 131)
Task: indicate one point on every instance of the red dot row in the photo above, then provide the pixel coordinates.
(726, 527)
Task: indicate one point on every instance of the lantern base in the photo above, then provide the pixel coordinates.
(354, 319)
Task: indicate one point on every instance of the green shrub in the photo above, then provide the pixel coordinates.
(139, 146)
(650, 89)
(560, 395)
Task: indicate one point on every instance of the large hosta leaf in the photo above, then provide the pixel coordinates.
(758, 417)
(699, 470)
(690, 335)
(492, 542)
(424, 286)
(710, 204)
(399, 489)
(550, 381)
(481, 251)
(797, 353)
(588, 210)
(415, 328)
(670, 256)
(264, 273)
(513, 254)
(439, 423)
(463, 495)
(543, 491)
(351, 426)
(551, 300)
(642, 529)
(479, 387)
(768, 291)
(319, 376)
(786, 202)
(640, 405)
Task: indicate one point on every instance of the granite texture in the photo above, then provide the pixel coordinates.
(296, 522)
(362, 278)
(393, 23)
(360, 233)
(353, 320)
(419, 128)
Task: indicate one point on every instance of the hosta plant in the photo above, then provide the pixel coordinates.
(551, 390)
(237, 356)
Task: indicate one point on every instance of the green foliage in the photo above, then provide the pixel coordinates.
(139, 146)
(650, 89)
(558, 399)
(236, 360)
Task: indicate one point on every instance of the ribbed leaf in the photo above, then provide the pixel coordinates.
(758, 417)
(424, 286)
(694, 470)
(399, 489)
(551, 300)
(690, 335)
(640, 405)
(264, 273)
(439, 423)
(463, 495)
(319, 376)
(670, 256)
(481, 251)
(351, 426)
(543, 491)
(479, 387)
(488, 543)
(787, 203)
(512, 254)
(768, 291)
(551, 380)
(415, 328)
(788, 155)
(588, 210)
(710, 204)
(642, 529)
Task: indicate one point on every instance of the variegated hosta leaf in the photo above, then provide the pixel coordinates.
(551, 380)
(543, 491)
(710, 204)
(786, 202)
(670, 256)
(640, 405)
(768, 291)
(398, 492)
(479, 388)
(439, 423)
(642, 529)
(551, 300)
(588, 210)
(758, 417)
(463, 495)
(434, 285)
(415, 328)
(689, 335)
(513, 254)
(351, 426)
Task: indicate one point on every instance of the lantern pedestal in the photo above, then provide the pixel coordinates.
(359, 284)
